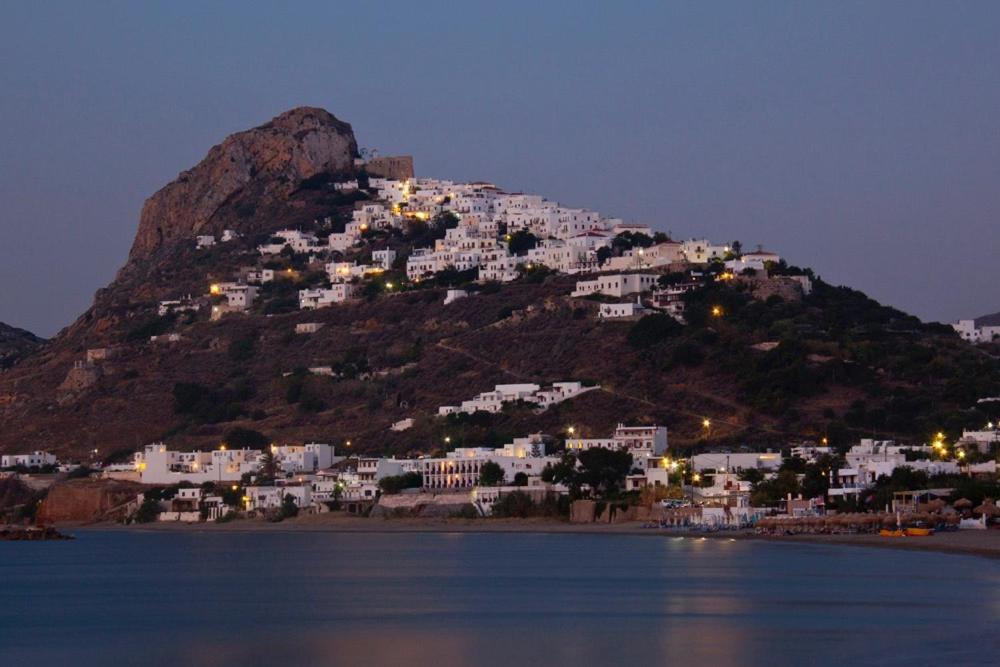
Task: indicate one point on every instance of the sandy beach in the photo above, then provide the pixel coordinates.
(983, 543)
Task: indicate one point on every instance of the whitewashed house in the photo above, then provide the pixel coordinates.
(630, 310)
(644, 442)
(620, 284)
(320, 298)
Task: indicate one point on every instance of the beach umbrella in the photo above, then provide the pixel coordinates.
(962, 503)
(989, 509)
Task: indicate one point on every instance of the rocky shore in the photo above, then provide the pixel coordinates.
(29, 533)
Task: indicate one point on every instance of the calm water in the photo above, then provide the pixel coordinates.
(486, 599)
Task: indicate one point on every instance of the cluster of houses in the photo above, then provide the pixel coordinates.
(311, 475)
(568, 240)
(494, 401)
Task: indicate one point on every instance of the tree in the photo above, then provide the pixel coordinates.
(603, 254)
(604, 470)
(521, 242)
(149, 510)
(516, 504)
(520, 479)
(288, 507)
(268, 464)
(491, 474)
(395, 483)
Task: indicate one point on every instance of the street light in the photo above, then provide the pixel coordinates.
(706, 423)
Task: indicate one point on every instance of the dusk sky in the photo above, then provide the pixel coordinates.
(862, 139)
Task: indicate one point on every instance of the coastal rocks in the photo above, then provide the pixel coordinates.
(265, 163)
(86, 500)
(20, 533)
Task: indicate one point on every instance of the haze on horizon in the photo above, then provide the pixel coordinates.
(860, 139)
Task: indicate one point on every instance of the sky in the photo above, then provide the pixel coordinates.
(859, 138)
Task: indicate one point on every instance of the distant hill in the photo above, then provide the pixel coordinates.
(765, 372)
(15, 344)
(988, 320)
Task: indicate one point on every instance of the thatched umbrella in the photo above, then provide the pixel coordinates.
(987, 508)
(889, 520)
(962, 503)
(936, 505)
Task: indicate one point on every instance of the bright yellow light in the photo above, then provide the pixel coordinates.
(961, 454)
(388, 285)
(214, 288)
(706, 423)
(716, 311)
(571, 430)
(447, 438)
(288, 271)
(222, 447)
(234, 487)
(364, 227)
(348, 443)
(825, 441)
(940, 435)
(696, 477)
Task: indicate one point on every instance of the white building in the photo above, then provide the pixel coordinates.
(462, 468)
(298, 241)
(384, 258)
(261, 498)
(204, 241)
(621, 311)
(321, 298)
(619, 285)
(736, 461)
(36, 459)
(981, 440)
(453, 295)
(968, 330)
(185, 305)
(493, 401)
(701, 251)
(644, 442)
(158, 465)
(308, 327)
(294, 459)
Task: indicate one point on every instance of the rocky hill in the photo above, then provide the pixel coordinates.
(992, 320)
(248, 171)
(15, 344)
(766, 371)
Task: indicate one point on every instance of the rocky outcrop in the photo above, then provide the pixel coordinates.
(85, 500)
(269, 161)
(15, 344)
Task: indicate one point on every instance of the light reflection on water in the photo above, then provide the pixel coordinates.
(492, 599)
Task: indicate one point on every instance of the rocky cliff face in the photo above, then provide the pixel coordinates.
(15, 344)
(264, 163)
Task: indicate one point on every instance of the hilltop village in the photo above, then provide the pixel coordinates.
(406, 234)
(409, 232)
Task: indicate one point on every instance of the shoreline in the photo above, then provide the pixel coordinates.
(984, 544)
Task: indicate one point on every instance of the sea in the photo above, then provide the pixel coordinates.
(121, 597)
